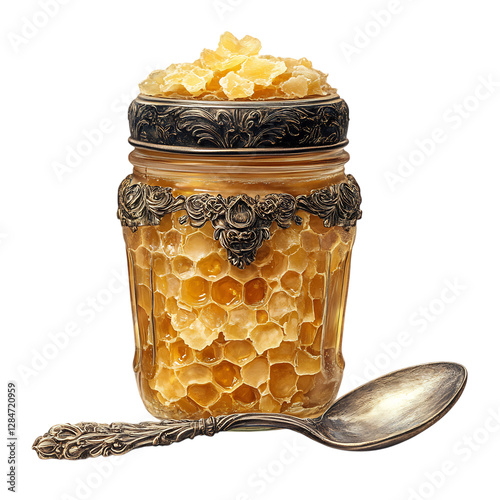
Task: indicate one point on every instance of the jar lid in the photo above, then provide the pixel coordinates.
(229, 127)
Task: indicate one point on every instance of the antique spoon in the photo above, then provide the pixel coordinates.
(381, 413)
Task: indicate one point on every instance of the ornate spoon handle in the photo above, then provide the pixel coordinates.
(89, 439)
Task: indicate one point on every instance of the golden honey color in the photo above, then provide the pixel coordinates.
(235, 70)
(212, 339)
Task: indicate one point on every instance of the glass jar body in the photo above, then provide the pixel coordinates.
(212, 338)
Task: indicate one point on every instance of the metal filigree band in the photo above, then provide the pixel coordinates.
(241, 223)
(231, 127)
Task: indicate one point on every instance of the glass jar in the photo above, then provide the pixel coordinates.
(238, 260)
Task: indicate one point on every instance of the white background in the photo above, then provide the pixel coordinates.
(406, 68)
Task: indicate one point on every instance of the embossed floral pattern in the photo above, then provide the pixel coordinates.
(218, 127)
(241, 223)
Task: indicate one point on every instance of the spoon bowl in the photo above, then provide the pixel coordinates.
(394, 407)
(381, 413)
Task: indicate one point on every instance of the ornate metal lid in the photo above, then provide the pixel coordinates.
(218, 127)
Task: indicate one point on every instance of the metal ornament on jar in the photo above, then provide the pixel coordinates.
(239, 223)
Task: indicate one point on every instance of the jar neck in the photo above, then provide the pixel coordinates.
(234, 174)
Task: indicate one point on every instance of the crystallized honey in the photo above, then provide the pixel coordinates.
(235, 70)
(214, 339)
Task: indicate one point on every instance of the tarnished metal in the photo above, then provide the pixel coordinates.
(230, 127)
(241, 223)
(381, 413)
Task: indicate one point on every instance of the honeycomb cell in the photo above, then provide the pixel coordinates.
(318, 226)
(198, 336)
(142, 257)
(171, 243)
(262, 316)
(167, 385)
(321, 259)
(226, 374)
(276, 266)
(317, 346)
(203, 394)
(168, 285)
(235, 332)
(198, 245)
(159, 303)
(318, 312)
(195, 291)
(317, 287)
(180, 354)
(143, 294)
(264, 254)
(268, 404)
(161, 265)
(330, 240)
(305, 383)
(194, 374)
(143, 321)
(165, 330)
(266, 337)
(310, 270)
(183, 267)
(243, 317)
(256, 372)
(243, 275)
(298, 261)
(147, 362)
(246, 395)
(165, 224)
(227, 292)
(213, 266)
(286, 241)
(291, 326)
(163, 356)
(280, 304)
(171, 306)
(307, 334)
(142, 276)
(307, 364)
(239, 352)
(183, 319)
(284, 353)
(223, 406)
(255, 292)
(291, 282)
(187, 406)
(213, 316)
(210, 355)
(283, 380)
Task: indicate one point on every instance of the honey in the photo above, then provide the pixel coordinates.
(213, 338)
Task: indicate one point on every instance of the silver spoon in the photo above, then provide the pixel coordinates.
(381, 413)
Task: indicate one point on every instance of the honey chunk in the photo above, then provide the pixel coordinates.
(236, 86)
(229, 44)
(235, 70)
(261, 71)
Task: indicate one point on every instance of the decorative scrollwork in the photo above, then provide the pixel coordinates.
(89, 439)
(227, 126)
(241, 223)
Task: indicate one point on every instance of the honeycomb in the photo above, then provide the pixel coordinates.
(213, 339)
(235, 70)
